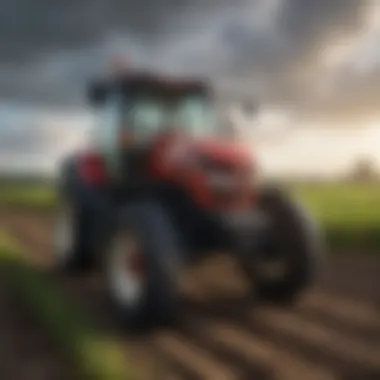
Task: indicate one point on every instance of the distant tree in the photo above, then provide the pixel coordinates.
(364, 170)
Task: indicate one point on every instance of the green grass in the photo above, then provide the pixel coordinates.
(27, 195)
(95, 356)
(348, 213)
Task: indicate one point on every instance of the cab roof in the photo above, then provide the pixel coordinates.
(146, 81)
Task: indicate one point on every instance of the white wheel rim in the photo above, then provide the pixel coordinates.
(126, 285)
(64, 234)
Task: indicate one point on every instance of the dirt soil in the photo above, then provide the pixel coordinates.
(334, 333)
(25, 352)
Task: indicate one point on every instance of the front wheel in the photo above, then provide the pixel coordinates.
(291, 251)
(141, 267)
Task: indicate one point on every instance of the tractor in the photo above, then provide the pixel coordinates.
(163, 184)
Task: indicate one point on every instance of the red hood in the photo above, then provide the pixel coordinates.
(218, 150)
(226, 151)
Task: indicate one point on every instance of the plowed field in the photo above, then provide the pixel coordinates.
(334, 333)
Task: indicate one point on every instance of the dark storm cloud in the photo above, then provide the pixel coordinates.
(312, 22)
(31, 27)
(30, 30)
(244, 56)
(304, 29)
(312, 25)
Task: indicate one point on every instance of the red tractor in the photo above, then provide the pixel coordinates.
(164, 185)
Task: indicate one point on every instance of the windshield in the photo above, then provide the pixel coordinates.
(193, 114)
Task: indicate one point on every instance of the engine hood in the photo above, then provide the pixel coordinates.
(225, 152)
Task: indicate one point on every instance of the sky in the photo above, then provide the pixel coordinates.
(316, 59)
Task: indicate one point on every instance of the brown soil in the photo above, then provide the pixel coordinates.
(25, 351)
(334, 333)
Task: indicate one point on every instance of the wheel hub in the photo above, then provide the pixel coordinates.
(126, 269)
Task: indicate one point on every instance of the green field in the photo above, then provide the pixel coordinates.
(27, 194)
(349, 213)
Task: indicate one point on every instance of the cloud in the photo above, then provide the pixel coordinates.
(318, 57)
(273, 49)
(38, 136)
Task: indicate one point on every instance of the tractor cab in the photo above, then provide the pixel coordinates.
(133, 110)
(140, 106)
(136, 111)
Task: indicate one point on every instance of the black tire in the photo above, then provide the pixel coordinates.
(158, 303)
(75, 257)
(295, 240)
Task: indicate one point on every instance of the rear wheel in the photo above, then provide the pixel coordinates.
(141, 267)
(70, 238)
(291, 249)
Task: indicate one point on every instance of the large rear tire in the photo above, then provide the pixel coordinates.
(292, 250)
(70, 238)
(141, 267)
